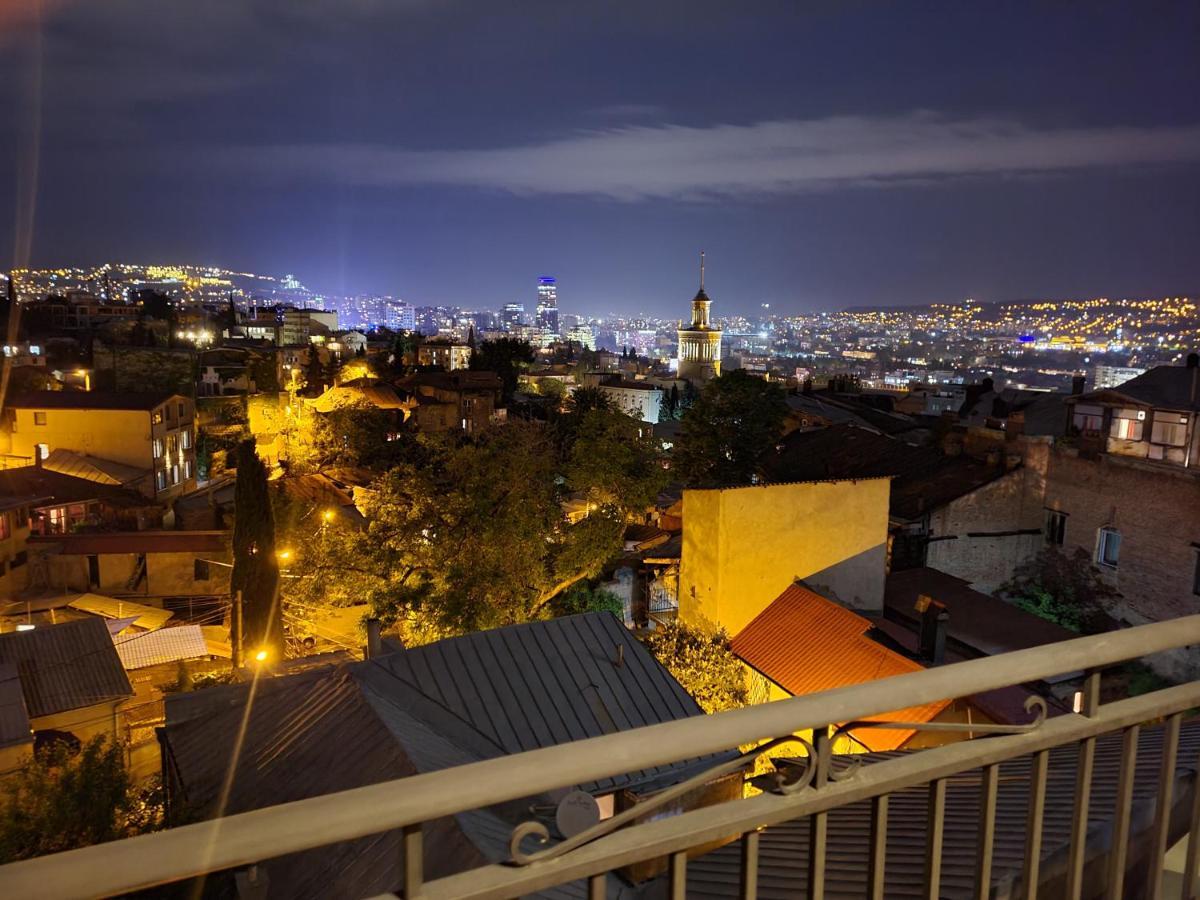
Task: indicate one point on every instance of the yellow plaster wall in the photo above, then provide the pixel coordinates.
(120, 435)
(742, 547)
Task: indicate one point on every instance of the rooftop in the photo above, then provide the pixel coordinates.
(64, 667)
(807, 644)
(114, 400)
(1168, 387)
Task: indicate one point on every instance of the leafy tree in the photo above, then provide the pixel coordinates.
(587, 398)
(670, 406)
(255, 566)
(702, 662)
(475, 535)
(506, 357)
(1065, 589)
(730, 430)
(585, 598)
(64, 798)
(360, 434)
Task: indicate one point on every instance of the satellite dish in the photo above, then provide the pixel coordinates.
(576, 813)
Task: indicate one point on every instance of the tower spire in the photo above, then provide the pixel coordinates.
(701, 270)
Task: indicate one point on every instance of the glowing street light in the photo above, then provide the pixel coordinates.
(260, 656)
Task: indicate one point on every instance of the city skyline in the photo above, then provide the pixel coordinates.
(419, 149)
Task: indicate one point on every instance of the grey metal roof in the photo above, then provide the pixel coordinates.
(67, 666)
(783, 849)
(1169, 387)
(545, 683)
(14, 718)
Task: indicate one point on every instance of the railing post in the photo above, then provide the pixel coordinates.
(1033, 823)
(936, 827)
(1083, 791)
(414, 861)
(987, 831)
(749, 865)
(818, 823)
(878, 864)
(1162, 811)
(1119, 851)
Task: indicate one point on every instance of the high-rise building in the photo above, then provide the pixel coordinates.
(547, 304)
(700, 342)
(512, 316)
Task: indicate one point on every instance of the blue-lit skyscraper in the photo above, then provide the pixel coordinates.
(547, 304)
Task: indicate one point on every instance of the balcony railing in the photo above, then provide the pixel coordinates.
(810, 791)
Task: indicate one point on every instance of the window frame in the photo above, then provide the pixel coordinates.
(39, 418)
(1054, 527)
(1103, 542)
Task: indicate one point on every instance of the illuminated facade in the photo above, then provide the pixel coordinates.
(700, 342)
(547, 304)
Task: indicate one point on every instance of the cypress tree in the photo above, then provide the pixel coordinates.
(255, 567)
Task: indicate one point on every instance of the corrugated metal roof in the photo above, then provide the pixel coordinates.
(151, 648)
(783, 849)
(807, 644)
(65, 666)
(47, 486)
(14, 717)
(148, 617)
(545, 683)
(92, 468)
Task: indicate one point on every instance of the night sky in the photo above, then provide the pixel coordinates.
(823, 154)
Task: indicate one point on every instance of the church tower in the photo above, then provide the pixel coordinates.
(700, 342)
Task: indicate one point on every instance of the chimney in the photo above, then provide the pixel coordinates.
(934, 620)
(1078, 382)
(1193, 360)
(374, 644)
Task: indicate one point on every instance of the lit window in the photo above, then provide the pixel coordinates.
(157, 448)
(1055, 527)
(1169, 430)
(43, 451)
(172, 444)
(185, 438)
(160, 480)
(39, 418)
(175, 474)
(156, 417)
(1088, 418)
(1127, 424)
(1108, 549)
(187, 468)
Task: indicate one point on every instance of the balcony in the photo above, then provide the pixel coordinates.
(1085, 804)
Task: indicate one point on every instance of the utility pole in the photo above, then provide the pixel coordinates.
(235, 632)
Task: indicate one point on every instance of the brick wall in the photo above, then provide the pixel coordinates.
(979, 544)
(1155, 508)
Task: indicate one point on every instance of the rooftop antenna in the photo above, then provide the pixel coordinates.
(701, 270)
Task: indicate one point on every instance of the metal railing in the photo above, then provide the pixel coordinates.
(824, 784)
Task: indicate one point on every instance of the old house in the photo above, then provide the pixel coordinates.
(419, 710)
(167, 566)
(151, 433)
(71, 684)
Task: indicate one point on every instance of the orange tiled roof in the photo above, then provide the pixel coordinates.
(806, 644)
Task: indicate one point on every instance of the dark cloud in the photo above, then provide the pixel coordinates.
(765, 158)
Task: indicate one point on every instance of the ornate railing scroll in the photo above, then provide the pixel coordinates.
(794, 777)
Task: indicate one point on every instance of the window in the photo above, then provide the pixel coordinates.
(1055, 528)
(172, 444)
(180, 410)
(185, 439)
(160, 480)
(187, 468)
(1088, 418)
(175, 474)
(57, 519)
(1127, 424)
(1108, 548)
(156, 417)
(39, 418)
(1169, 430)
(5, 532)
(43, 451)
(157, 448)
(167, 410)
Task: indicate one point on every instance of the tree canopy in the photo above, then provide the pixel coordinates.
(62, 799)
(730, 430)
(702, 663)
(506, 357)
(475, 534)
